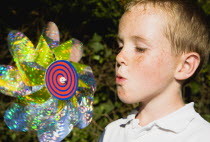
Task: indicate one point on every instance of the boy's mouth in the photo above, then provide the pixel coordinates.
(119, 79)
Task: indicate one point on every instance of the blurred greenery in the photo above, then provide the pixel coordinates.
(94, 23)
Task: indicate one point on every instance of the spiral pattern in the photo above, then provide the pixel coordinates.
(61, 79)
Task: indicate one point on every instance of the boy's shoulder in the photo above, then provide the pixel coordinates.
(202, 125)
(185, 121)
(200, 130)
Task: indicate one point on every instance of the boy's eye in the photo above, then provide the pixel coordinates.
(118, 49)
(140, 50)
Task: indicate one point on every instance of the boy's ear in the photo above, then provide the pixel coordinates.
(187, 66)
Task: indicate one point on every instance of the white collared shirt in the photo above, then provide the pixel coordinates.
(183, 125)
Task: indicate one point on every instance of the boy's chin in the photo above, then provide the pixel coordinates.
(127, 100)
(126, 97)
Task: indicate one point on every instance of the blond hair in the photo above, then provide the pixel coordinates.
(186, 29)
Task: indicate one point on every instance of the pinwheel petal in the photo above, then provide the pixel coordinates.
(32, 73)
(20, 47)
(60, 130)
(62, 52)
(85, 97)
(43, 54)
(76, 50)
(11, 83)
(31, 117)
(38, 97)
(86, 75)
(10, 80)
(16, 118)
(85, 109)
(51, 35)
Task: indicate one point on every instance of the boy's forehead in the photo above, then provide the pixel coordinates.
(146, 9)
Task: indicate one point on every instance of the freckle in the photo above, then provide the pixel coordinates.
(139, 58)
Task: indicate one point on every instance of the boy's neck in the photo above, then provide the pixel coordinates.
(159, 107)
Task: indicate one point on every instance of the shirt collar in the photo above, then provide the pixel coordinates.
(175, 122)
(178, 120)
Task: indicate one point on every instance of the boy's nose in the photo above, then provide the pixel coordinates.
(121, 58)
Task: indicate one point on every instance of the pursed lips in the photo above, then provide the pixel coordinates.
(120, 79)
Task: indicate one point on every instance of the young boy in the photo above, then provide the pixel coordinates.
(163, 45)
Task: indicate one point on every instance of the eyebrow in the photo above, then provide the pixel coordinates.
(134, 38)
(137, 38)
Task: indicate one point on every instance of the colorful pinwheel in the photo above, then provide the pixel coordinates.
(53, 94)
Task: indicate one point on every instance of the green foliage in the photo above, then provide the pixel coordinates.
(98, 51)
(95, 23)
(205, 5)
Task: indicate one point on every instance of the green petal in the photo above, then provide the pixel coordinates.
(79, 67)
(32, 75)
(43, 55)
(62, 52)
(38, 97)
(20, 47)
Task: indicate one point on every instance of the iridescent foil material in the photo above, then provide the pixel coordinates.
(35, 109)
(12, 84)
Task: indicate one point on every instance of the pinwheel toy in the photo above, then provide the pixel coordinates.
(53, 92)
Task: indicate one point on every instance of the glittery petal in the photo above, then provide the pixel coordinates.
(87, 76)
(85, 97)
(20, 47)
(16, 118)
(79, 67)
(40, 115)
(34, 65)
(10, 80)
(77, 44)
(22, 50)
(32, 75)
(44, 56)
(76, 50)
(38, 97)
(31, 117)
(11, 83)
(73, 113)
(85, 107)
(60, 130)
(62, 52)
(51, 35)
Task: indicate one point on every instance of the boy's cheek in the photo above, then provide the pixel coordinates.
(139, 58)
(147, 74)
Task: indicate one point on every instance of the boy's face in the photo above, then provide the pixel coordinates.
(145, 65)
